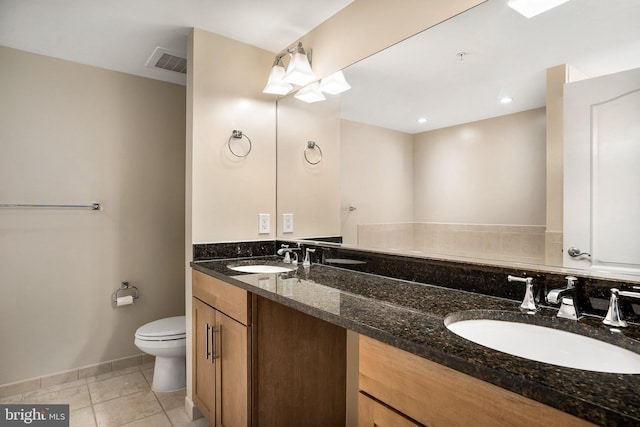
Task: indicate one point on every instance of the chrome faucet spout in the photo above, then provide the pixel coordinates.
(555, 295)
(567, 298)
(286, 251)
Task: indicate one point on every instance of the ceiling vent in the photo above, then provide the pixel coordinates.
(167, 60)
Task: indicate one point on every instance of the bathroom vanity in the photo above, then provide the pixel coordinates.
(257, 362)
(412, 369)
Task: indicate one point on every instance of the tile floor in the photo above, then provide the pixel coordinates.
(118, 398)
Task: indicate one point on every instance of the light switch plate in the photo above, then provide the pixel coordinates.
(287, 223)
(264, 223)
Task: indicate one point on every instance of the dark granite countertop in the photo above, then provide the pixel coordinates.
(411, 315)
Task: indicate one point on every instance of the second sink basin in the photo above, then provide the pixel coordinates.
(544, 344)
(254, 268)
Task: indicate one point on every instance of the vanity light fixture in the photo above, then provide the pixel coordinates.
(334, 84)
(531, 8)
(275, 84)
(310, 94)
(299, 70)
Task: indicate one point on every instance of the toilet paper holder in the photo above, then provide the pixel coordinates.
(125, 289)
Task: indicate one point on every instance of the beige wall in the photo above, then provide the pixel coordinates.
(377, 177)
(225, 194)
(70, 133)
(486, 172)
(556, 78)
(387, 175)
(305, 190)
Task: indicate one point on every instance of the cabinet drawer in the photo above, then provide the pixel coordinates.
(439, 396)
(374, 414)
(231, 300)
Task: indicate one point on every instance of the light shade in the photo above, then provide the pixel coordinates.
(299, 70)
(275, 84)
(310, 94)
(531, 8)
(334, 84)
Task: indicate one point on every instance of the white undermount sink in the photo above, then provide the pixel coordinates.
(262, 268)
(543, 344)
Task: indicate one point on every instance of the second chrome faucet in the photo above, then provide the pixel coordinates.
(566, 296)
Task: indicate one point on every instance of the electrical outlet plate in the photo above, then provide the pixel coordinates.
(287, 223)
(264, 223)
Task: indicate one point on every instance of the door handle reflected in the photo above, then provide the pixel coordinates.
(575, 252)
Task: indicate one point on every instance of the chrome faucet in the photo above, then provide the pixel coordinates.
(554, 295)
(567, 298)
(614, 316)
(286, 250)
(529, 301)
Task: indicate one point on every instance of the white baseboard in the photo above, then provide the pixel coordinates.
(192, 411)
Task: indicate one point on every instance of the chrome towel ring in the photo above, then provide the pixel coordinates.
(311, 145)
(235, 135)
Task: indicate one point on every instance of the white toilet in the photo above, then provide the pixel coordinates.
(166, 340)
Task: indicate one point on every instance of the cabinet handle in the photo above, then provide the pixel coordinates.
(214, 331)
(206, 339)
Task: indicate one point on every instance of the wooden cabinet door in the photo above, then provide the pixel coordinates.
(204, 374)
(436, 395)
(373, 414)
(232, 372)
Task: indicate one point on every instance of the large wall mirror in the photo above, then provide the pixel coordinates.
(442, 145)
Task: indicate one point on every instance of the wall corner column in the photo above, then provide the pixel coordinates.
(556, 78)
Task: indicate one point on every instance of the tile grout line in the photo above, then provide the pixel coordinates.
(93, 412)
(155, 395)
(86, 383)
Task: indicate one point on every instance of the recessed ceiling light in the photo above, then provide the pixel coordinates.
(422, 120)
(531, 8)
(506, 100)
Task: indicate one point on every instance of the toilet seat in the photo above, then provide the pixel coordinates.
(169, 329)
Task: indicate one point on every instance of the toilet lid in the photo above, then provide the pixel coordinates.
(163, 328)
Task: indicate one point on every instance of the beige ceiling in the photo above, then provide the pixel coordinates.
(122, 34)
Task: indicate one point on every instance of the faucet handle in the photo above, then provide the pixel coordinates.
(529, 301)
(307, 260)
(571, 281)
(614, 317)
